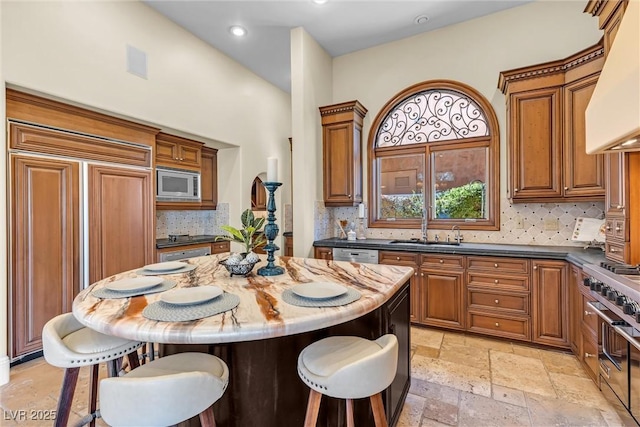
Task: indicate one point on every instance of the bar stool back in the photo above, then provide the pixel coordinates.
(165, 391)
(68, 344)
(348, 368)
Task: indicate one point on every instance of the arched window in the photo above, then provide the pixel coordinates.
(434, 152)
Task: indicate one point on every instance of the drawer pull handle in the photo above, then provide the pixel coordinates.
(612, 250)
(398, 258)
(618, 228)
(497, 325)
(535, 267)
(415, 274)
(566, 188)
(421, 274)
(496, 281)
(608, 228)
(495, 265)
(588, 313)
(620, 207)
(515, 190)
(497, 301)
(588, 355)
(441, 261)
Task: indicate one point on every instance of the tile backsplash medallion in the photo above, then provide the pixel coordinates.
(549, 224)
(191, 222)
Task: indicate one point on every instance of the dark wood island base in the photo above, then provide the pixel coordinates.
(265, 390)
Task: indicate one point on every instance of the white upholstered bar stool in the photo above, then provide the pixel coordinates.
(67, 343)
(166, 391)
(348, 368)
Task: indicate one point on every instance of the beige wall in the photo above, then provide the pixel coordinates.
(473, 52)
(310, 89)
(4, 359)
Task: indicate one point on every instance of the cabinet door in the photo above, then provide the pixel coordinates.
(583, 173)
(575, 306)
(616, 166)
(398, 324)
(550, 303)
(209, 179)
(45, 260)
(174, 151)
(338, 165)
(121, 235)
(323, 253)
(166, 152)
(190, 156)
(442, 299)
(535, 142)
(409, 260)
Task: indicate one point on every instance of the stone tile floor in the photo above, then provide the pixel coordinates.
(457, 379)
(468, 380)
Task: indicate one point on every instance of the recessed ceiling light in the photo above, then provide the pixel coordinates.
(421, 19)
(238, 31)
(319, 1)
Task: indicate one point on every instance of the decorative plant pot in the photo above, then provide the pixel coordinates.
(238, 269)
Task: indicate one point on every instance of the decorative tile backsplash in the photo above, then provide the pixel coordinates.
(191, 222)
(548, 224)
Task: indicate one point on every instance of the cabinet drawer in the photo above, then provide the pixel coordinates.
(502, 265)
(590, 356)
(495, 281)
(398, 258)
(590, 319)
(501, 301)
(617, 251)
(504, 326)
(616, 228)
(220, 247)
(446, 261)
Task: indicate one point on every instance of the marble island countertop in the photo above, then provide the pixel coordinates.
(573, 254)
(261, 313)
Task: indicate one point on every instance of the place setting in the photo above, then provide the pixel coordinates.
(192, 303)
(169, 267)
(133, 286)
(320, 294)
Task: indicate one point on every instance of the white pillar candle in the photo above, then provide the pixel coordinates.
(272, 169)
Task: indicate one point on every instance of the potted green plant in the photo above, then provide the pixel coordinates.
(250, 237)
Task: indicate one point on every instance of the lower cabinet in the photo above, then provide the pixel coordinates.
(407, 259)
(323, 253)
(550, 301)
(441, 292)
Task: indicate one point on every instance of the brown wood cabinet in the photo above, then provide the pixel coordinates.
(498, 296)
(575, 305)
(215, 247)
(546, 131)
(45, 261)
(342, 153)
(550, 301)
(441, 293)
(121, 225)
(209, 178)
(609, 13)
(323, 253)
(408, 259)
(176, 152)
(288, 245)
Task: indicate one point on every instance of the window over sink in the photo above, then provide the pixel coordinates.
(434, 147)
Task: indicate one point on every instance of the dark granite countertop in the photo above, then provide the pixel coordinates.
(190, 240)
(575, 255)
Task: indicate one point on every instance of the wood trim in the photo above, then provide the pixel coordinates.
(346, 111)
(36, 109)
(48, 141)
(542, 73)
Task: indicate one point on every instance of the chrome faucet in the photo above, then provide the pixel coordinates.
(459, 237)
(424, 224)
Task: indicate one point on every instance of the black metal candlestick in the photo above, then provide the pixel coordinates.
(271, 231)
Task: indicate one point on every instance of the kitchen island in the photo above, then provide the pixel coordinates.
(261, 338)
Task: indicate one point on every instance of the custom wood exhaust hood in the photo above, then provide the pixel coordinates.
(613, 114)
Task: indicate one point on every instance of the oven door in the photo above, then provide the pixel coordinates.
(632, 335)
(613, 358)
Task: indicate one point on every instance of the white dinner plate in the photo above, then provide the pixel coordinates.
(165, 266)
(186, 296)
(319, 290)
(134, 283)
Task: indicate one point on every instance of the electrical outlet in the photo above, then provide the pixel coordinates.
(519, 222)
(551, 224)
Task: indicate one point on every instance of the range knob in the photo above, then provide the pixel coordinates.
(621, 300)
(587, 281)
(637, 314)
(628, 308)
(595, 285)
(604, 289)
(612, 295)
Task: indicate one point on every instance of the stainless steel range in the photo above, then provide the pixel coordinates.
(616, 287)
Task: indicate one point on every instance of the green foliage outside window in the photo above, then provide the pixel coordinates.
(466, 201)
(405, 206)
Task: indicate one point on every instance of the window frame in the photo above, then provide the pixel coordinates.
(491, 141)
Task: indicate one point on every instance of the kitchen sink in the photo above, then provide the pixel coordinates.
(423, 242)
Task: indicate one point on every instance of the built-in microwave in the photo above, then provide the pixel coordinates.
(174, 185)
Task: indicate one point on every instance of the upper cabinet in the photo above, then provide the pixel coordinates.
(546, 106)
(342, 155)
(180, 153)
(209, 178)
(609, 13)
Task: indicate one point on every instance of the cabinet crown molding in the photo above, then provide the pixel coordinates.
(561, 66)
(354, 106)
